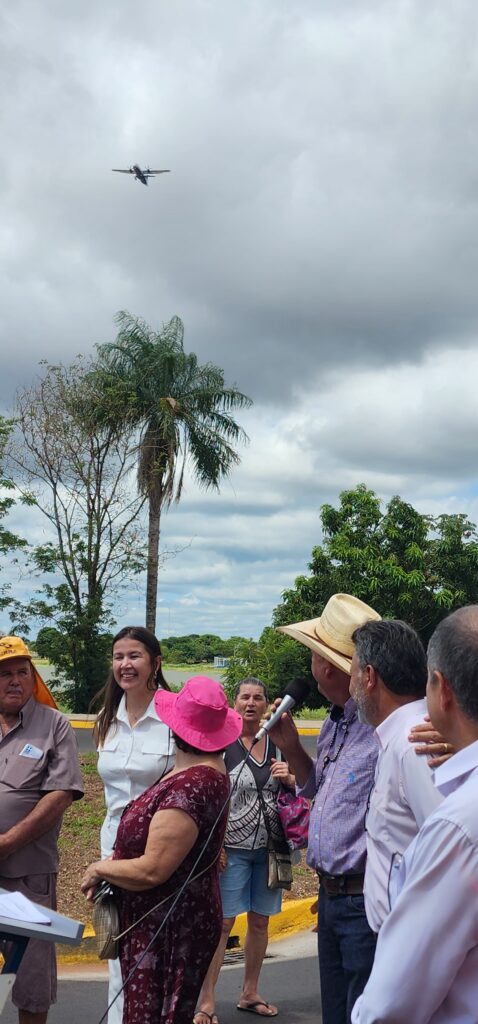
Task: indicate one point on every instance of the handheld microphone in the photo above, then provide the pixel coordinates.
(295, 693)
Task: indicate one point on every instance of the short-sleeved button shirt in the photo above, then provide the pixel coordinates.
(37, 756)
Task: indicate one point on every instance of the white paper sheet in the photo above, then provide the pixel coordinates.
(15, 906)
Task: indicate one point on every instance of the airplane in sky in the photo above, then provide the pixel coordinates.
(139, 175)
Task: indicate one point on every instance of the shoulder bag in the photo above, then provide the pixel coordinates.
(106, 921)
(294, 814)
(279, 866)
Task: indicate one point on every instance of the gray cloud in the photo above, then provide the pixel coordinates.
(317, 235)
(323, 196)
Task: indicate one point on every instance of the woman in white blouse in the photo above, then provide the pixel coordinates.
(135, 748)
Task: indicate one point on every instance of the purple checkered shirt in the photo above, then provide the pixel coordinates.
(341, 789)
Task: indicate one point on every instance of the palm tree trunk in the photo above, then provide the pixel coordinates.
(154, 519)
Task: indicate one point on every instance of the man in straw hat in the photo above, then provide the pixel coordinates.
(39, 777)
(340, 779)
(426, 964)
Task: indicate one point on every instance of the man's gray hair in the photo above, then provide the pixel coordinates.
(453, 651)
(396, 652)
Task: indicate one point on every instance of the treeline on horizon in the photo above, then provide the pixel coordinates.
(196, 648)
(192, 649)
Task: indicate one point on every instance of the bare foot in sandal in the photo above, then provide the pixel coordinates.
(203, 1017)
(258, 1006)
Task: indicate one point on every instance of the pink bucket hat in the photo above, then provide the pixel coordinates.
(200, 714)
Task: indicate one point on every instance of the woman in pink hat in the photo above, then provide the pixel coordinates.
(165, 957)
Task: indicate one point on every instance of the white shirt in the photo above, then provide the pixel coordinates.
(129, 761)
(426, 963)
(403, 795)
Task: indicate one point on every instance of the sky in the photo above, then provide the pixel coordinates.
(317, 234)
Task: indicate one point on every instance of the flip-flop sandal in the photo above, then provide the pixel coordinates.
(252, 1008)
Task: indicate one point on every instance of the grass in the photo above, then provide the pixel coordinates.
(86, 816)
(79, 841)
(314, 714)
(200, 668)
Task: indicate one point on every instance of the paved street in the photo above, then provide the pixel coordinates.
(289, 978)
(85, 741)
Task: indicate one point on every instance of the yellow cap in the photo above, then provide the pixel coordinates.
(14, 647)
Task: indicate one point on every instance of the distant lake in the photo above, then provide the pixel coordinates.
(172, 675)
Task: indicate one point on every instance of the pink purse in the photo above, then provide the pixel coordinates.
(294, 814)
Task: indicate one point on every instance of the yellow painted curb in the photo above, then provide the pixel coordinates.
(295, 916)
(308, 730)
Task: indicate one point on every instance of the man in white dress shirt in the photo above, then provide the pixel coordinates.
(426, 963)
(388, 683)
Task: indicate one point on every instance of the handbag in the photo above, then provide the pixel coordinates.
(106, 923)
(279, 864)
(106, 920)
(294, 814)
(279, 869)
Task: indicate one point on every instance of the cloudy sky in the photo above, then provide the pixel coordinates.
(318, 235)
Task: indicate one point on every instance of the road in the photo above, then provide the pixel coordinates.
(85, 741)
(289, 978)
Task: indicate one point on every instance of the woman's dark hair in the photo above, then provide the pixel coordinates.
(249, 681)
(110, 694)
(187, 748)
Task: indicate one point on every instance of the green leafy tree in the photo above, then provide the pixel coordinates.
(275, 659)
(76, 473)
(403, 563)
(184, 413)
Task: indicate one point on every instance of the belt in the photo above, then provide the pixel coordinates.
(341, 885)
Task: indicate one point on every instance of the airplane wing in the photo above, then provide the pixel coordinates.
(157, 172)
(122, 170)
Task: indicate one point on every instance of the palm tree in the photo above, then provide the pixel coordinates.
(184, 414)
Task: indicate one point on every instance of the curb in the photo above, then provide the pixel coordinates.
(295, 917)
(304, 725)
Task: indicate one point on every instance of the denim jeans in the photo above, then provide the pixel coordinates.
(346, 952)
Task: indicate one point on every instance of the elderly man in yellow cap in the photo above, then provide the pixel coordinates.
(340, 780)
(39, 777)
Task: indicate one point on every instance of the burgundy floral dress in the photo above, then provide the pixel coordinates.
(165, 986)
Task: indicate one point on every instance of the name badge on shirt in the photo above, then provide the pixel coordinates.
(30, 751)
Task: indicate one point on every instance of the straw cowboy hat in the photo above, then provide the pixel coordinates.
(13, 647)
(331, 634)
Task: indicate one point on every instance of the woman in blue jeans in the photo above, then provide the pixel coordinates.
(244, 877)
